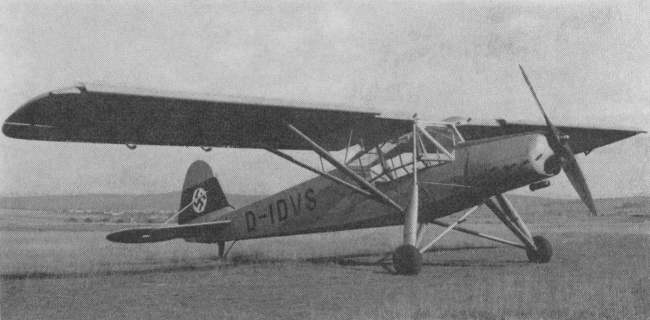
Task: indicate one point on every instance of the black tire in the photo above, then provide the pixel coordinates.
(407, 260)
(543, 253)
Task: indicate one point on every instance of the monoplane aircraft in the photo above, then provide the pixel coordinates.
(394, 170)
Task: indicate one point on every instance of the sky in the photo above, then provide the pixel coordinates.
(588, 60)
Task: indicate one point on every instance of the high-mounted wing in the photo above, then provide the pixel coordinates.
(582, 138)
(98, 114)
(164, 233)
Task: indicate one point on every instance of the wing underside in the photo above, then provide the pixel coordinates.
(88, 113)
(99, 114)
(581, 138)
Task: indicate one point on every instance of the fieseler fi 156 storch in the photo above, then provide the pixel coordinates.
(391, 170)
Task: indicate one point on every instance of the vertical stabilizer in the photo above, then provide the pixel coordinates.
(201, 194)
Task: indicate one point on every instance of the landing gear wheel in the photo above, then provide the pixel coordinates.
(407, 260)
(543, 253)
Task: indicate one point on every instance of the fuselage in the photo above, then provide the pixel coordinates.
(481, 169)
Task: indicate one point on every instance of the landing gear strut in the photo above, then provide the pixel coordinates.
(407, 259)
(538, 248)
(222, 248)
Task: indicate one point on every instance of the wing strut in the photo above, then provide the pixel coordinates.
(319, 172)
(374, 192)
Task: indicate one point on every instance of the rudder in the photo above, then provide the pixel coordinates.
(201, 194)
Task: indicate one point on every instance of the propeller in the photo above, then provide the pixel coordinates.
(559, 143)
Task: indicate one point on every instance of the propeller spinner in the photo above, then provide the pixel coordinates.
(559, 143)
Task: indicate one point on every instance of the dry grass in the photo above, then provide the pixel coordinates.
(599, 270)
(590, 278)
(88, 252)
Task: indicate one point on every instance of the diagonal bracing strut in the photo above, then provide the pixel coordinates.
(479, 234)
(319, 172)
(449, 228)
(516, 230)
(376, 193)
(511, 212)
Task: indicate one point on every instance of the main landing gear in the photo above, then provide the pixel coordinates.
(407, 258)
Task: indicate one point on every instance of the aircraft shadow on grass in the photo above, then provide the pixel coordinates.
(371, 260)
(203, 264)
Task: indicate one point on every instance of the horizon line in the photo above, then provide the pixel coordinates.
(267, 195)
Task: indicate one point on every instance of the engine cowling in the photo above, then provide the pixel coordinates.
(542, 157)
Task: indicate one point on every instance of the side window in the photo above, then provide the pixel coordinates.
(445, 135)
(394, 158)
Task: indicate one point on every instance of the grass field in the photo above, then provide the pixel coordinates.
(600, 270)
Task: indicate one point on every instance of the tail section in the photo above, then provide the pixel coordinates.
(202, 193)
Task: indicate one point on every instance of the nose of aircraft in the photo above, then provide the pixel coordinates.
(542, 157)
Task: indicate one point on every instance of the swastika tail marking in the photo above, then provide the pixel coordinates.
(199, 200)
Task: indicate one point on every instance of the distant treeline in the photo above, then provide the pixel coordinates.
(169, 201)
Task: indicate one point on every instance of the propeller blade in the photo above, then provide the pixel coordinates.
(577, 179)
(552, 128)
(562, 149)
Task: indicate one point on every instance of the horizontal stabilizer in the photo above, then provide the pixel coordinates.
(152, 234)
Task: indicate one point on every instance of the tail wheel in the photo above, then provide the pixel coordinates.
(407, 260)
(543, 253)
